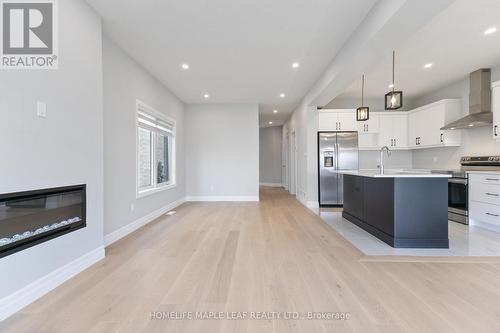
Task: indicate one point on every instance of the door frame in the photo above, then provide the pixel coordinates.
(292, 188)
(284, 162)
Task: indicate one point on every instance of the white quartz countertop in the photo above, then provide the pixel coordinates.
(392, 173)
(494, 172)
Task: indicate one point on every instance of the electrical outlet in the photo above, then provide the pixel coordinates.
(41, 109)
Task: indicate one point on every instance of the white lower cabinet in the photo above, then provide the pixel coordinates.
(484, 200)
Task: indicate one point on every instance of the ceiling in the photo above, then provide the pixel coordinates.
(238, 51)
(453, 41)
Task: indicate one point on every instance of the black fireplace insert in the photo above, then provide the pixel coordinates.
(32, 217)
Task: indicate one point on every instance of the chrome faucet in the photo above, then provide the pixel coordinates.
(382, 158)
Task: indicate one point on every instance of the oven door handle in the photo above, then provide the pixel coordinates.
(457, 181)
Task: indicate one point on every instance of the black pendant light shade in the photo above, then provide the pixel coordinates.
(363, 112)
(393, 99)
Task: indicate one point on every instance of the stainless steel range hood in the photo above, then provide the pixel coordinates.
(479, 102)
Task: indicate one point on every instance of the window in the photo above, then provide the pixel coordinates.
(155, 151)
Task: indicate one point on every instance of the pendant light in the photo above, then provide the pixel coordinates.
(363, 112)
(393, 99)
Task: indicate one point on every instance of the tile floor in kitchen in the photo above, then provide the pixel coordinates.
(464, 240)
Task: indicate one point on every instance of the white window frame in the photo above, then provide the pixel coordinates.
(142, 107)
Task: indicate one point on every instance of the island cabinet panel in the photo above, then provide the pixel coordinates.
(403, 212)
(379, 203)
(355, 190)
(421, 216)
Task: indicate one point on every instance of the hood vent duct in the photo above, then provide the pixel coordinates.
(479, 102)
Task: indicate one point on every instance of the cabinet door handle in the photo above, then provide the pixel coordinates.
(395, 143)
(442, 137)
(492, 179)
(340, 126)
(490, 214)
(495, 128)
(492, 194)
(367, 128)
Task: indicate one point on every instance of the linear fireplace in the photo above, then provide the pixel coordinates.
(32, 217)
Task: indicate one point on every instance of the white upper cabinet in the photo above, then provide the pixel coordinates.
(369, 126)
(416, 129)
(338, 120)
(425, 124)
(495, 108)
(393, 131)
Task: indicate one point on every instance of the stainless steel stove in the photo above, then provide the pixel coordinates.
(458, 184)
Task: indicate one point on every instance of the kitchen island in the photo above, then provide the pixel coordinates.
(403, 209)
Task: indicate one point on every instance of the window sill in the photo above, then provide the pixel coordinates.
(151, 191)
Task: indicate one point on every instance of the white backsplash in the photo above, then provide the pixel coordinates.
(370, 159)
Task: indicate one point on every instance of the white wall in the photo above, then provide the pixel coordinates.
(477, 141)
(124, 82)
(222, 152)
(304, 123)
(270, 143)
(65, 148)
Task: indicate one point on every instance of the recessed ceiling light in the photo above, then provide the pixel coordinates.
(295, 65)
(275, 111)
(282, 95)
(391, 86)
(185, 66)
(489, 31)
(270, 123)
(206, 96)
(428, 65)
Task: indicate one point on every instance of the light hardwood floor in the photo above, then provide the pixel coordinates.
(274, 255)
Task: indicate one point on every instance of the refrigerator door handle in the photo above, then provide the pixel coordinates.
(337, 156)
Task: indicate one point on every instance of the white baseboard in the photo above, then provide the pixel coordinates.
(222, 198)
(24, 296)
(312, 204)
(131, 227)
(271, 184)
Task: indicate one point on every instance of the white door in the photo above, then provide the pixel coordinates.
(293, 165)
(347, 121)
(328, 121)
(400, 131)
(285, 162)
(495, 108)
(385, 131)
(413, 129)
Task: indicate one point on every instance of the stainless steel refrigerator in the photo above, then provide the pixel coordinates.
(337, 151)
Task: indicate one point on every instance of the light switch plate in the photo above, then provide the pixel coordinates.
(41, 109)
